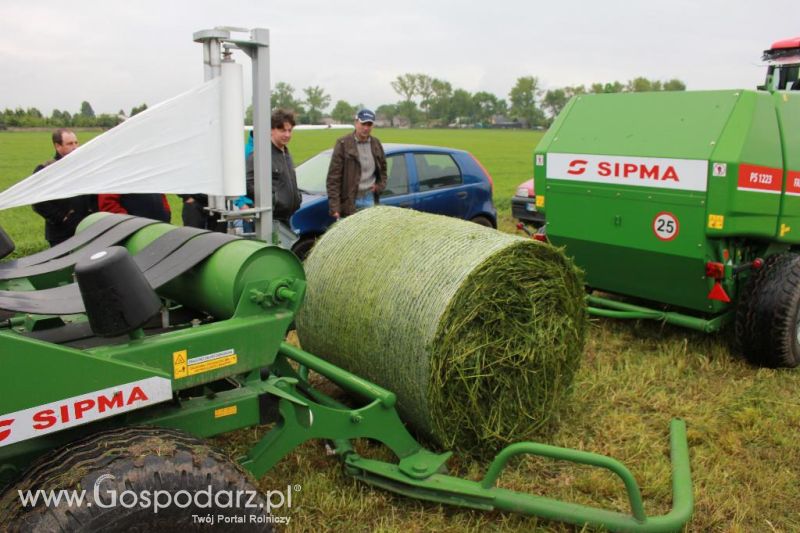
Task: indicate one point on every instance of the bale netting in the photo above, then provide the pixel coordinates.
(479, 333)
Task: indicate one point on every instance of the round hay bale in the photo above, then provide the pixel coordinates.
(479, 333)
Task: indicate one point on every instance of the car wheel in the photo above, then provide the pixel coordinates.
(482, 221)
(302, 247)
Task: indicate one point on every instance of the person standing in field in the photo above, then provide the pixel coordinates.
(286, 197)
(357, 172)
(194, 213)
(63, 215)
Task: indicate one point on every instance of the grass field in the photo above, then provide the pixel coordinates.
(743, 422)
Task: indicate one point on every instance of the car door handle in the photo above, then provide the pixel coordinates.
(461, 194)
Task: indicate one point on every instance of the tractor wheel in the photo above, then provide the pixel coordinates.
(767, 329)
(482, 221)
(127, 477)
(302, 247)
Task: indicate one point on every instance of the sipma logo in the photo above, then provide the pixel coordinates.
(68, 412)
(626, 170)
(4, 433)
(577, 167)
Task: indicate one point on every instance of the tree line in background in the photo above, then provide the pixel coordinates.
(425, 102)
(85, 118)
(431, 102)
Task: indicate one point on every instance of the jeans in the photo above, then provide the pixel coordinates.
(363, 202)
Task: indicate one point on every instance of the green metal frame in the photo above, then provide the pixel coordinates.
(255, 291)
(608, 308)
(417, 474)
(306, 414)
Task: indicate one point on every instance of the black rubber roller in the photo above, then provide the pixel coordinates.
(6, 244)
(117, 297)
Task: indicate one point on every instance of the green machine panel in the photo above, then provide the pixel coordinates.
(787, 106)
(638, 186)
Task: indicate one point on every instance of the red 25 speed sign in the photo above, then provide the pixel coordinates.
(665, 226)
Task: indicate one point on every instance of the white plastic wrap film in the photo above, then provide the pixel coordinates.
(172, 147)
(232, 113)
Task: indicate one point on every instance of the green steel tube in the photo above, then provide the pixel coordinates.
(682, 499)
(339, 376)
(608, 308)
(574, 456)
(483, 495)
(609, 313)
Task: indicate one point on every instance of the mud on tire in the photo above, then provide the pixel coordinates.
(139, 459)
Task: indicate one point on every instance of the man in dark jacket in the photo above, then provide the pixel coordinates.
(194, 213)
(357, 173)
(63, 215)
(286, 196)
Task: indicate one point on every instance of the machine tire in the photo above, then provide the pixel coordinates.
(767, 328)
(302, 247)
(482, 221)
(139, 459)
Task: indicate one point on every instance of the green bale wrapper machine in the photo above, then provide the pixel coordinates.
(688, 202)
(170, 335)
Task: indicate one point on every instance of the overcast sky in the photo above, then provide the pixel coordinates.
(118, 54)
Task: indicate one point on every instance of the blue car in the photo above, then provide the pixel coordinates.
(437, 180)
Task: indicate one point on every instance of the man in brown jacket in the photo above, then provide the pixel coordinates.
(357, 173)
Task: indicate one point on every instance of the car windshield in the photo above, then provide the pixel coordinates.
(311, 174)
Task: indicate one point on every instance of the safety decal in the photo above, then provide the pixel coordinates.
(225, 411)
(716, 221)
(179, 363)
(665, 226)
(212, 361)
(185, 366)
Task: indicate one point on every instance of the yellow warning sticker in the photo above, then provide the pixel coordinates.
(212, 361)
(183, 366)
(179, 363)
(539, 200)
(716, 221)
(225, 411)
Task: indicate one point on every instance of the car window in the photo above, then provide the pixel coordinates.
(436, 171)
(397, 171)
(312, 173)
